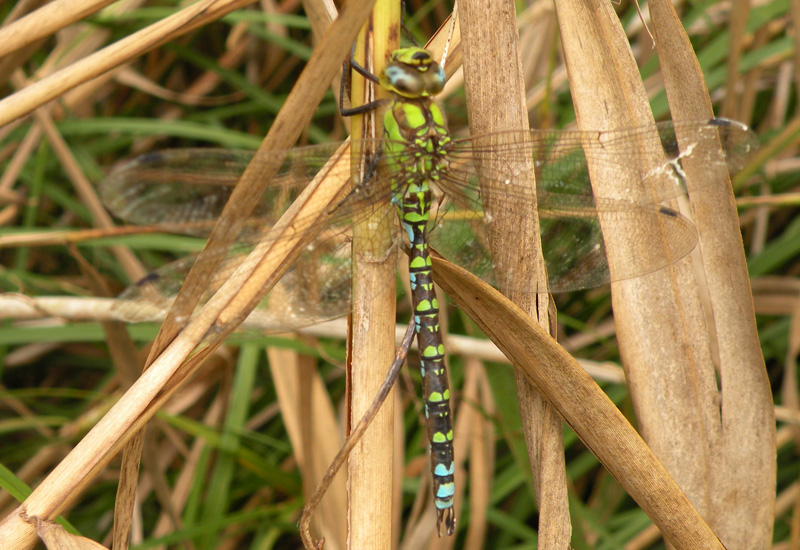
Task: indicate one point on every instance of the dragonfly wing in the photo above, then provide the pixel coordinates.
(575, 224)
(175, 186)
(561, 158)
(186, 189)
(572, 232)
(576, 232)
(316, 288)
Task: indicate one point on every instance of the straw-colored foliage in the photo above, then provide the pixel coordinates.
(667, 379)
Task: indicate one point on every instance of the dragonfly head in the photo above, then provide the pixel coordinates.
(412, 73)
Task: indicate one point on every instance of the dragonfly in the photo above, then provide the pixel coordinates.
(432, 180)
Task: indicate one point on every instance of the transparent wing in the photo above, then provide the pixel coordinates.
(561, 158)
(189, 187)
(573, 218)
(185, 190)
(572, 233)
(316, 288)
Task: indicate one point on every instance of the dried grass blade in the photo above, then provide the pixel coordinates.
(659, 317)
(582, 404)
(490, 38)
(68, 479)
(742, 478)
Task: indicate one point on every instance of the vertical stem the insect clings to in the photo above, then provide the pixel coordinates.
(372, 328)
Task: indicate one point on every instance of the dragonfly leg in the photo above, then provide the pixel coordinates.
(351, 63)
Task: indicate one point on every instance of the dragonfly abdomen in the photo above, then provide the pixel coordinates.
(414, 205)
(434, 372)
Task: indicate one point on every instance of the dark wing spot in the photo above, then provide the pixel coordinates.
(720, 122)
(147, 279)
(668, 211)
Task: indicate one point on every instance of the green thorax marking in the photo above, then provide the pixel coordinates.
(414, 123)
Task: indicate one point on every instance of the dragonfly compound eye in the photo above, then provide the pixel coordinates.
(403, 80)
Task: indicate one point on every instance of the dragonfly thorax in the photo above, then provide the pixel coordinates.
(417, 136)
(414, 124)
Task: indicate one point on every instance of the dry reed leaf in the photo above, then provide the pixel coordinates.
(789, 388)
(732, 104)
(56, 537)
(661, 326)
(736, 480)
(44, 22)
(583, 405)
(490, 36)
(124, 354)
(311, 424)
(132, 411)
(92, 66)
(475, 413)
